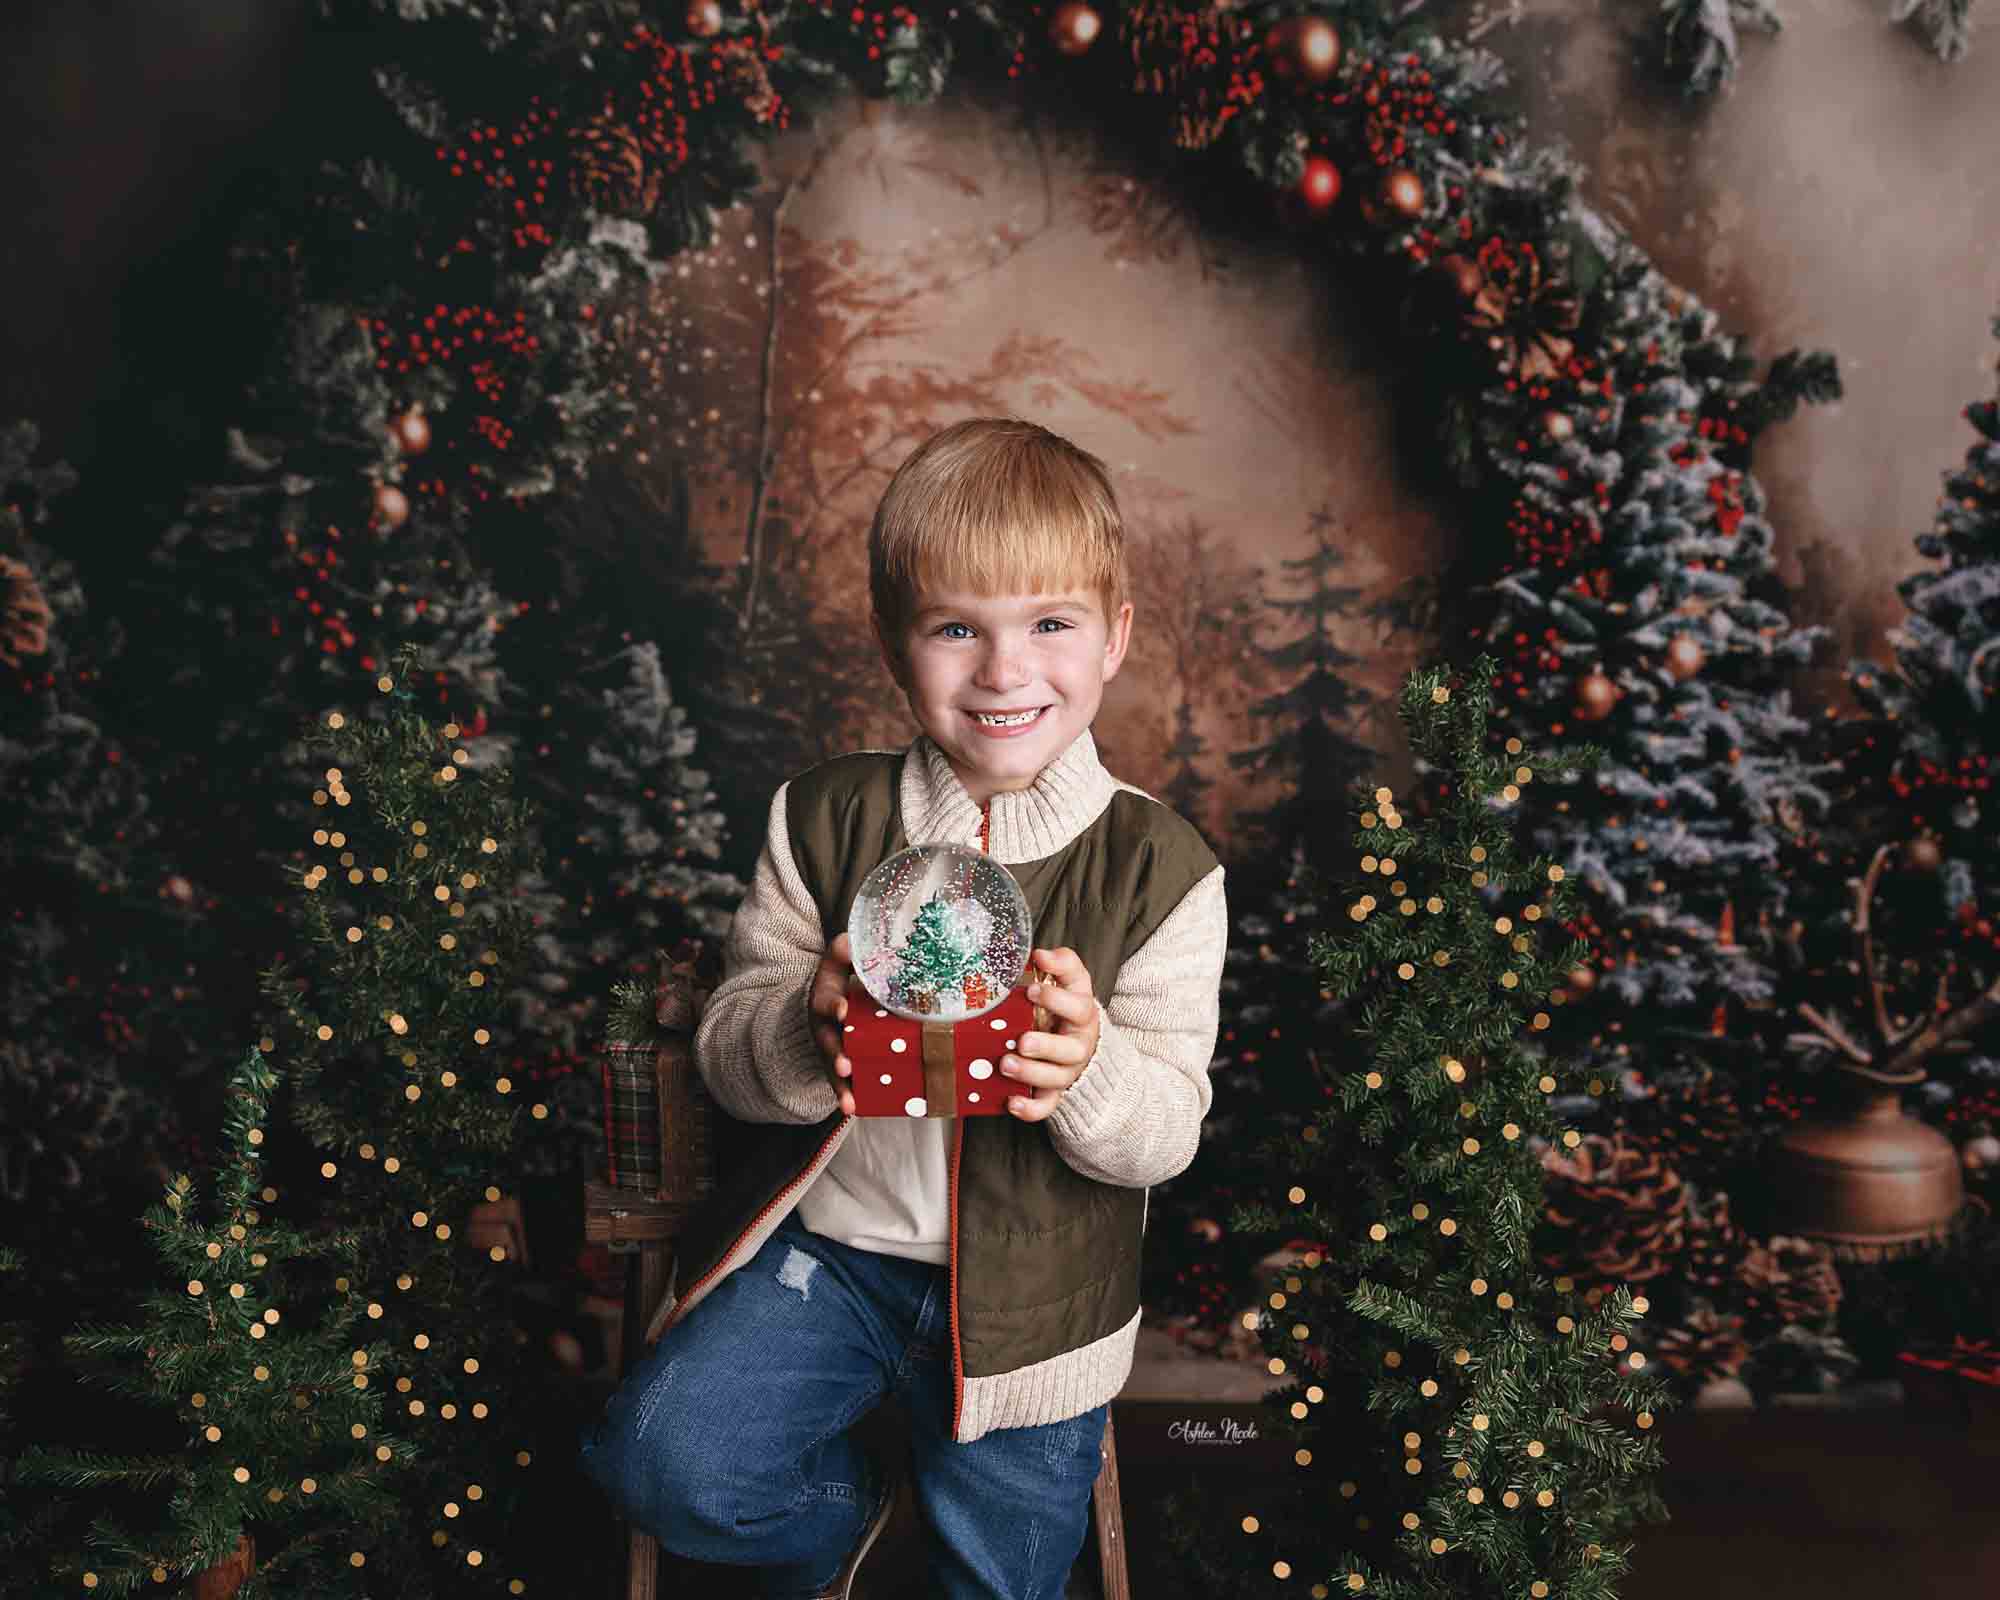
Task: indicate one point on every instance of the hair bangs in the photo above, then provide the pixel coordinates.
(996, 506)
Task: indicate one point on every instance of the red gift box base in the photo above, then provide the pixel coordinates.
(888, 1055)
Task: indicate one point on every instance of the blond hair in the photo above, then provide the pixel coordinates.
(995, 505)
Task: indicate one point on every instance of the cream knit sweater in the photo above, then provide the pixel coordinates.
(1132, 1119)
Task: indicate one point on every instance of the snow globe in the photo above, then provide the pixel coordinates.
(940, 933)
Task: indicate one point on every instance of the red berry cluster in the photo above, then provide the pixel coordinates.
(483, 344)
(1969, 775)
(1542, 539)
(506, 164)
(874, 26)
(1398, 101)
(335, 635)
(1725, 432)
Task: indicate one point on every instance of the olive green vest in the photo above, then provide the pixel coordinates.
(1047, 1259)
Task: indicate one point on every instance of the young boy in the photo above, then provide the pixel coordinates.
(986, 1269)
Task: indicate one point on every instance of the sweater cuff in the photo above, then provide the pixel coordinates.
(796, 1077)
(1102, 1097)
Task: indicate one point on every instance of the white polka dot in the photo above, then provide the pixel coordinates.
(998, 1024)
(849, 1028)
(915, 1106)
(1010, 1044)
(981, 1068)
(887, 1079)
(973, 1096)
(899, 1045)
(880, 1013)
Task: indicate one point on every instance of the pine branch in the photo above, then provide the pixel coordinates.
(88, 1469)
(1945, 24)
(1698, 46)
(1795, 378)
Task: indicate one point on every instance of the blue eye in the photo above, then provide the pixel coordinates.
(943, 629)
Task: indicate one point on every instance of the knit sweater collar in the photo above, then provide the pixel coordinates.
(1028, 824)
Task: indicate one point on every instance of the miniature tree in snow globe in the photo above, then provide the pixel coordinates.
(940, 933)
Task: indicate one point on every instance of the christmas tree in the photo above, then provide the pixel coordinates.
(937, 955)
(389, 1065)
(1893, 983)
(397, 1040)
(1460, 1419)
(1635, 596)
(631, 831)
(265, 1356)
(1934, 746)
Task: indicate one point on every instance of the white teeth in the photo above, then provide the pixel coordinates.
(1007, 722)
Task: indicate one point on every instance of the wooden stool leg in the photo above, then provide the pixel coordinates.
(642, 1565)
(1110, 1513)
(646, 1284)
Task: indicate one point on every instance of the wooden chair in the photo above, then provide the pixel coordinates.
(643, 1225)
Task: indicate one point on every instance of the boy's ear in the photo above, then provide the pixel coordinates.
(1117, 641)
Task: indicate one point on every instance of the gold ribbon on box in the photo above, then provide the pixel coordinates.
(940, 1071)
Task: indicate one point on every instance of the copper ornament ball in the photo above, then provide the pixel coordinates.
(1558, 426)
(1923, 854)
(411, 432)
(1402, 194)
(1304, 49)
(1074, 27)
(1583, 979)
(704, 18)
(1684, 657)
(1596, 695)
(392, 506)
(1981, 1152)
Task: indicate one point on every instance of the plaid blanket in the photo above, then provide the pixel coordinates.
(631, 1117)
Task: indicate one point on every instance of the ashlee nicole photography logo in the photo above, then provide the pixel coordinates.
(1192, 1430)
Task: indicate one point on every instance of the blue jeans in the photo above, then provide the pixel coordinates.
(728, 1442)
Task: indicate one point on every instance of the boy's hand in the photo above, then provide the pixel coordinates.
(826, 1001)
(1048, 1063)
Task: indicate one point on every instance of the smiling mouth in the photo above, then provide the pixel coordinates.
(1009, 719)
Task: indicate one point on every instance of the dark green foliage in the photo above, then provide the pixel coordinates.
(1439, 1370)
(253, 1345)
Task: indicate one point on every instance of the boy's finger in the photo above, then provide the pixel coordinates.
(1041, 1074)
(1065, 969)
(1030, 1108)
(1068, 1004)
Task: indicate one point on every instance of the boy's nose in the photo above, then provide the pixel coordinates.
(1001, 669)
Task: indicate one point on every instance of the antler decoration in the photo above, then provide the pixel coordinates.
(1901, 1049)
